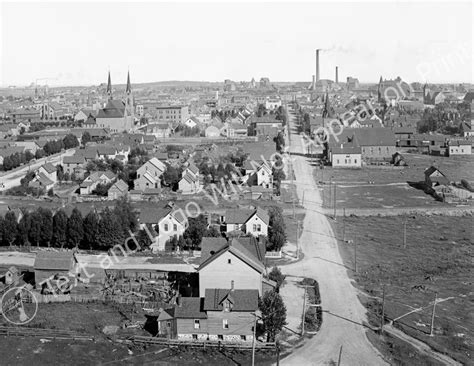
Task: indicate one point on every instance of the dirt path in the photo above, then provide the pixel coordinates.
(344, 314)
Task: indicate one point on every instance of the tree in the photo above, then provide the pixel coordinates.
(171, 176)
(212, 232)
(86, 137)
(276, 234)
(46, 232)
(278, 174)
(34, 234)
(59, 238)
(91, 229)
(75, 229)
(70, 141)
(2, 223)
(273, 314)
(128, 217)
(276, 275)
(110, 230)
(60, 172)
(24, 228)
(10, 227)
(197, 227)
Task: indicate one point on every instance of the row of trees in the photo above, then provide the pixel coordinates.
(94, 231)
(51, 147)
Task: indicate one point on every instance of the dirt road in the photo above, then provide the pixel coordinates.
(343, 313)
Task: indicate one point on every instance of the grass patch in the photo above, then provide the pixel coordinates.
(437, 259)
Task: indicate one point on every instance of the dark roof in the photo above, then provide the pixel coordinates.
(50, 168)
(54, 261)
(151, 215)
(237, 216)
(378, 136)
(113, 109)
(210, 246)
(242, 300)
(74, 159)
(190, 308)
(257, 248)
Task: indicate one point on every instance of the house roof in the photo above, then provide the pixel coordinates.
(113, 109)
(120, 185)
(256, 248)
(74, 159)
(239, 250)
(210, 246)
(54, 261)
(43, 179)
(236, 216)
(242, 300)
(50, 168)
(190, 308)
(377, 136)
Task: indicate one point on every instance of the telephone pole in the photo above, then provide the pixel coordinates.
(304, 308)
(355, 256)
(382, 319)
(405, 233)
(335, 186)
(344, 225)
(253, 340)
(433, 314)
(340, 356)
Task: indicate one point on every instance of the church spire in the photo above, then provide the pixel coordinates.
(109, 87)
(129, 86)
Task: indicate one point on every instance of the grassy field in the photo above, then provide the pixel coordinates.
(389, 187)
(437, 259)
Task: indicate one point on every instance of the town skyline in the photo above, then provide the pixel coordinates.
(153, 50)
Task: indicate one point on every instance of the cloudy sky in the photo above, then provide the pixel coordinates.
(76, 43)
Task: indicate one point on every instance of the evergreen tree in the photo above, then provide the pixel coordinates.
(75, 229)
(59, 229)
(24, 228)
(91, 229)
(34, 233)
(46, 233)
(10, 227)
(273, 314)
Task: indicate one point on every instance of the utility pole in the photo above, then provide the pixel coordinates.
(433, 314)
(297, 240)
(340, 356)
(344, 225)
(405, 233)
(335, 185)
(355, 256)
(304, 308)
(382, 319)
(253, 340)
(330, 193)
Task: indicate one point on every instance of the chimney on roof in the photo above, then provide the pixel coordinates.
(317, 65)
(232, 285)
(337, 75)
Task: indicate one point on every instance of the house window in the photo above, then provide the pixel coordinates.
(220, 337)
(226, 306)
(166, 227)
(175, 227)
(197, 324)
(243, 338)
(337, 161)
(168, 324)
(195, 337)
(355, 161)
(225, 324)
(229, 261)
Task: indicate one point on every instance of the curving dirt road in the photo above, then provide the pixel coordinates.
(343, 313)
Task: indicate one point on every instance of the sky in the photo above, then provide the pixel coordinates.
(76, 43)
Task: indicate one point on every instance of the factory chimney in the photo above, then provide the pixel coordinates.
(337, 74)
(317, 65)
(313, 85)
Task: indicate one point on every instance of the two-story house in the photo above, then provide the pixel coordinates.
(94, 179)
(148, 175)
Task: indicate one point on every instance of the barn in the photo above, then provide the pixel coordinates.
(49, 265)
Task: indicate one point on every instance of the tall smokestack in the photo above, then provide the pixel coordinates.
(314, 82)
(317, 65)
(337, 74)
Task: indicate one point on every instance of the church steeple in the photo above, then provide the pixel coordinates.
(109, 87)
(129, 86)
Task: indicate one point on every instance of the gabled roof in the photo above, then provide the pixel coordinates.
(74, 159)
(242, 300)
(210, 246)
(50, 168)
(113, 109)
(237, 249)
(43, 179)
(237, 216)
(54, 261)
(120, 185)
(189, 178)
(190, 308)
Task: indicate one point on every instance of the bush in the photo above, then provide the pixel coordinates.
(276, 275)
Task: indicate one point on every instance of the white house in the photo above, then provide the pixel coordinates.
(148, 175)
(189, 184)
(258, 174)
(460, 148)
(49, 170)
(346, 156)
(167, 222)
(254, 222)
(94, 179)
(191, 122)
